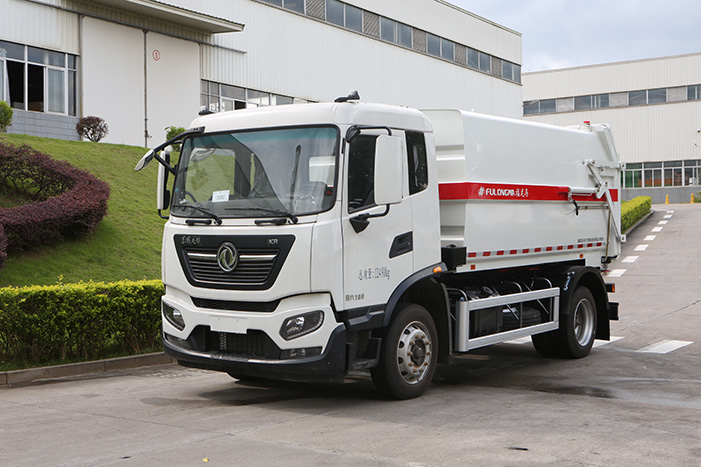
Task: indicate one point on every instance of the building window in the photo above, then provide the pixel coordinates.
(294, 5)
(485, 62)
(510, 71)
(447, 49)
(693, 93)
(344, 15)
(217, 97)
(657, 96)
(548, 106)
(531, 108)
(37, 80)
(404, 35)
(662, 174)
(388, 29)
(433, 44)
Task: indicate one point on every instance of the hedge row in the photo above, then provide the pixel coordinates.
(634, 210)
(67, 201)
(40, 324)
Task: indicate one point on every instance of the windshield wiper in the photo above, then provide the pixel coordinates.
(216, 218)
(278, 212)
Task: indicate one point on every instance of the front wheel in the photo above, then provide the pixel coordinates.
(408, 355)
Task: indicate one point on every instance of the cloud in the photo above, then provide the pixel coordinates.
(560, 33)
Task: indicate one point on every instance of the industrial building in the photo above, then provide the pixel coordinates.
(653, 107)
(143, 65)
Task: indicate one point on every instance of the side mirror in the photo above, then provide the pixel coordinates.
(145, 161)
(163, 194)
(389, 174)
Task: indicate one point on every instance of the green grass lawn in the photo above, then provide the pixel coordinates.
(126, 245)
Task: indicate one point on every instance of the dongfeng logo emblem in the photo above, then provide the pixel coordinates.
(227, 257)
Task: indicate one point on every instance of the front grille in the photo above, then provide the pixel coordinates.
(259, 307)
(253, 267)
(260, 260)
(253, 344)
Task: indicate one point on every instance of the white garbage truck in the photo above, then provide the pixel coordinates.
(304, 242)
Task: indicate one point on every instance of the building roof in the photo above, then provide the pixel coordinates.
(174, 14)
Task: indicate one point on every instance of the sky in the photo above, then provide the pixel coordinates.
(568, 33)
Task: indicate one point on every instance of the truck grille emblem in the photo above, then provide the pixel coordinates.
(227, 257)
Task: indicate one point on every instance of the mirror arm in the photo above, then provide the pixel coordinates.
(361, 221)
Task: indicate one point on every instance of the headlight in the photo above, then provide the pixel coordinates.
(173, 316)
(301, 325)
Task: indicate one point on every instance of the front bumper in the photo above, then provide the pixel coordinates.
(330, 366)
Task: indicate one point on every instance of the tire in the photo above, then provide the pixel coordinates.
(578, 329)
(408, 356)
(544, 343)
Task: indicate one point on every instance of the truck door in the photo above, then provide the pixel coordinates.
(378, 258)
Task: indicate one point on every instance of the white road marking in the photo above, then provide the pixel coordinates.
(670, 212)
(630, 259)
(616, 273)
(662, 222)
(657, 229)
(650, 238)
(641, 247)
(668, 216)
(665, 346)
(600, 343)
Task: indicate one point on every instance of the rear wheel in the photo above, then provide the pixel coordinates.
(408, 354)
(577, 330)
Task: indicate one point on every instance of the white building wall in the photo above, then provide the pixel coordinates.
(295, 55)
(38, 26)
(658, 132)
(613, 77)
(113, 78)
(173, 84)
(647, 133)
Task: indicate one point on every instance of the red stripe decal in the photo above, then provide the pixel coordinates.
(487, 253)
(526, 251)
(537, 250)
(500, 253)
(506, 191)
(472, 255)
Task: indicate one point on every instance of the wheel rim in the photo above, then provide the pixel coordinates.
(414, 352)
(584, 322)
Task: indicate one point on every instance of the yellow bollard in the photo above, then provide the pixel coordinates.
(666, 199)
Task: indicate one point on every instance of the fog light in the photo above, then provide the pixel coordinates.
(300, 353)
(173, 316)
(301, 325)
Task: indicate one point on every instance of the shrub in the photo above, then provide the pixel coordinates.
(6, 113)
(3, 246)
(92, 128)
(82, 321)
(697, 197)
(173, 131)
(634, 210)
(69, 201)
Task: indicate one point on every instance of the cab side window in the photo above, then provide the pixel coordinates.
(418, 166)
(361, 173)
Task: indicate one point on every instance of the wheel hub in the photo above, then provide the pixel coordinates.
(414, 353)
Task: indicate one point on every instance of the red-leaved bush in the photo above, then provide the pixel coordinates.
(3, 246)
(69, 202)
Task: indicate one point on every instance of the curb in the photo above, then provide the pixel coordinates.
(30, 375)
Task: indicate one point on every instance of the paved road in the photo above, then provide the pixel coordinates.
(633, 401)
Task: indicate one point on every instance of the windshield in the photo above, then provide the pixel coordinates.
(264, 173)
